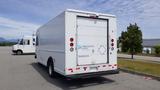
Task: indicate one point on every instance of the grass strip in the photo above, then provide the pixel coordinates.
(140, 66)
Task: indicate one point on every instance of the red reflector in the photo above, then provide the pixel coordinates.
(84, 68)
(94, 17)
(112, 44)
(77, 68)
(112, 40)
(109, 65)
(71, 44)
(70, 69)
(71, 39)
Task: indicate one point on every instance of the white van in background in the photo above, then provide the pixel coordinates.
(25, 45)
(78, 44)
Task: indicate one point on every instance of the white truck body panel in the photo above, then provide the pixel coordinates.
(91, 51)
(91, 47)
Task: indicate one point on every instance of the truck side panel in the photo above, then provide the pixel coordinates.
(51, 38)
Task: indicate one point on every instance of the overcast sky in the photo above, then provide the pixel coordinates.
(23, 17)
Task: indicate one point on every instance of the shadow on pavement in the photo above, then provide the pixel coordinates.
(23, 54)
(124, 58)
(62, 82)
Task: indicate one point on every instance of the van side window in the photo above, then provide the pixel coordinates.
(34, 40)
(21, 42)
(28, 42)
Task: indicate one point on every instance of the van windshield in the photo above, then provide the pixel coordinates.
(20, 42)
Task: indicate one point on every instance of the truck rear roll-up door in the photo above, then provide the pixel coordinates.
(92, 41)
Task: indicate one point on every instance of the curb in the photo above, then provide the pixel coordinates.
(140, 73)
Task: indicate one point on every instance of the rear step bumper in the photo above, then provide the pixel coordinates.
(93, 74)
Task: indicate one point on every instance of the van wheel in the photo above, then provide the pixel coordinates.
(19, 52)
(51, 69)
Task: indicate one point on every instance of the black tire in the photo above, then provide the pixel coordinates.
(39, 63)
(19, 52)
(51, 69)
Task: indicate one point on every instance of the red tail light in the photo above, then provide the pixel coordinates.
(71, 39)
(112, 44)
(71, 44)
(112, 40)
(94, 17)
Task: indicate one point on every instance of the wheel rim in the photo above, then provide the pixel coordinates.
(50, 69)
(19, 52)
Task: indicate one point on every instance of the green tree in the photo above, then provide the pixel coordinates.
(124, 41)
(131, 40)
(157, 49)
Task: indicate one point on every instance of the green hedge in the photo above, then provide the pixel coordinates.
(7, 43)
(157, 50)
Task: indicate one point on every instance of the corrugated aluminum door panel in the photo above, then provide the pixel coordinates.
(91, 41)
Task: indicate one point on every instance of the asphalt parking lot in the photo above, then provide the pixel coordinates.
(23, 73)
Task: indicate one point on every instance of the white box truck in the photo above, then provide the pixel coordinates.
(78, 44)
(25, 45)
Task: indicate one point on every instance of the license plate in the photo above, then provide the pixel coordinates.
(93, 68)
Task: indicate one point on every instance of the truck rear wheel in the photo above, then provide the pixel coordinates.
(51, 69)
(19, 52)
